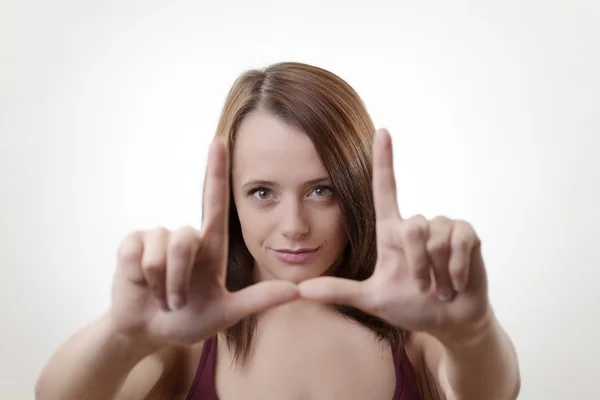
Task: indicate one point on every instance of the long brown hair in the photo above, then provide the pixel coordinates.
(335, 119)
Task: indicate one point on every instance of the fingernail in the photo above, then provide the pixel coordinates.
(445, 295)
(175, 302)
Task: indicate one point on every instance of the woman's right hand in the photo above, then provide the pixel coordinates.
(169, 287)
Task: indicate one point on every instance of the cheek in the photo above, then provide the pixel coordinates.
(253, 224)
(333, 228)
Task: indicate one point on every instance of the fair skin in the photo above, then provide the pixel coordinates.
(291, 204)
(169, 293)
(302, 349)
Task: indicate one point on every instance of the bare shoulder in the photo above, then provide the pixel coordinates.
(164, 374)
(422, 351)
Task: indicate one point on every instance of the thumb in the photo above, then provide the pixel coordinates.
(336, 290)
(256, 298)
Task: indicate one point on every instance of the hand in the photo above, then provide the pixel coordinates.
(169, 287)
(429, 275)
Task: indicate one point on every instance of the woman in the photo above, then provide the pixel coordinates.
(304, 282)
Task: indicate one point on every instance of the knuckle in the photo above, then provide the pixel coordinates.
(461, 243)
(441, 220)
(154, 258)
(419, 218)
(437, 246)
(465, 227)
(158, 231)
(186, 231)
(153, 264)
(131, 249)
(464, 236)
(181, 245)
(129, 255)
(412, 230)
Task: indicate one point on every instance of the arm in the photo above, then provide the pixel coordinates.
(477, 364)
(96, 363)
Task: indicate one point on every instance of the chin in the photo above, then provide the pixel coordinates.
(293, 273)
(298, 277)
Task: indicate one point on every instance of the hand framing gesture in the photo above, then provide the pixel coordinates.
(170, 286)
(429, 275)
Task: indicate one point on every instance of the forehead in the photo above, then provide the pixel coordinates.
(268, 148)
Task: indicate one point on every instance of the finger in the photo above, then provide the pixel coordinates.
(384, 181)
(215, 209)
(438, 247)
(183, 247)
(337, 291)
(463, 241)
(477, 277)
(129, 257)
(254, 299)
(414, 235)
(154, 262)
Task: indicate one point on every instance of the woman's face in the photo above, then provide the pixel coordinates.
(290, 217)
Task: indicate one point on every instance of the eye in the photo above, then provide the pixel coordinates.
(322, 191)
(260, 193)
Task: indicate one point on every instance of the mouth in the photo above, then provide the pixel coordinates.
(294, 256)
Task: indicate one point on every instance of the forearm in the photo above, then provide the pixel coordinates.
(92, 364)
(481, 365)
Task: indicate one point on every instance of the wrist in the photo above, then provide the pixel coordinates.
(479, 360)
(468, 334)
(137, 344)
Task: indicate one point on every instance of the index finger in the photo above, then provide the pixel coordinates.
(384, 181)
(215, 201)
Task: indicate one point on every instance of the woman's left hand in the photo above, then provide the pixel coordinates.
(429, 276)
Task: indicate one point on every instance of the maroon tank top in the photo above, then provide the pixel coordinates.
(203, 387)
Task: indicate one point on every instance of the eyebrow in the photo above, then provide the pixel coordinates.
(262, 182)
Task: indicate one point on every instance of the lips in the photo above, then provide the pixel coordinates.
(294, 256)
(295, 251)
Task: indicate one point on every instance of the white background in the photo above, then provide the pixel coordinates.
(107, 107)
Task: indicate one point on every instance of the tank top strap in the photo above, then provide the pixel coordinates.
(203, 386)
(406, 385)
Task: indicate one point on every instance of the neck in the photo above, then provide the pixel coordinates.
(296, 310)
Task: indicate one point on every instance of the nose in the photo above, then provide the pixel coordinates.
(294, 222)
